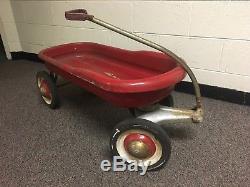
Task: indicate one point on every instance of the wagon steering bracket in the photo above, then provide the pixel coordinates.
(166, 115)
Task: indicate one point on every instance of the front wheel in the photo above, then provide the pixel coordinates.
(142, 141)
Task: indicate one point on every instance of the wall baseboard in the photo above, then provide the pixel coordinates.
(214, 92)
(25, 56)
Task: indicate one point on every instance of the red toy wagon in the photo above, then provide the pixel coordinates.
(141, 81)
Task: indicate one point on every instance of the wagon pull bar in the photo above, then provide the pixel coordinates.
(78, 15)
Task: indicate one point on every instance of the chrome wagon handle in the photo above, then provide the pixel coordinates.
(82, 15)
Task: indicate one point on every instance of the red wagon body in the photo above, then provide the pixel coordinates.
(124, 78)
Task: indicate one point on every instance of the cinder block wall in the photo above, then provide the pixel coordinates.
(213, 37)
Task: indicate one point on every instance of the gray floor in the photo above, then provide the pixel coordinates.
(43, 147)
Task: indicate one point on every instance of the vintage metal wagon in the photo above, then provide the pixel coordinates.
(141, 81)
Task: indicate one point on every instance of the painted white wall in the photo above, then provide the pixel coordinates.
(8, 28)
(212, 36)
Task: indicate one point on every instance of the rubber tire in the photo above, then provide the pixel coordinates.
(53, 89)
(167, 101)
(53, 77)
(150, 127)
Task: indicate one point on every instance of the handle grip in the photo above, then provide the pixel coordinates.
(78, 15)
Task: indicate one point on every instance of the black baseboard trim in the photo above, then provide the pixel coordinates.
(25, 56)
(214, 92)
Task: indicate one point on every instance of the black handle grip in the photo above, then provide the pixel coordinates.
(78, 15)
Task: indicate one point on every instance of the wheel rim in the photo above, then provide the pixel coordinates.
(139, 145)
(45, 90)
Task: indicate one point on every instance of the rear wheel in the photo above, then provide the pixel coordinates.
(141, 140)
(48, 89)
(168, 101)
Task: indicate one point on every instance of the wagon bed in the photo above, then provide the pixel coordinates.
(112, 72)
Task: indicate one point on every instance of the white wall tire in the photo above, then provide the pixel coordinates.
(151, 131)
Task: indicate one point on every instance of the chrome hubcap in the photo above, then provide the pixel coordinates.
(138, 149)
(139, 145)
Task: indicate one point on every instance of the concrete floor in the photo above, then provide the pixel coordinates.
(44, 147)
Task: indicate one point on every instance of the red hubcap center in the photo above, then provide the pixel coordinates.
(144, 144)
(45, 89)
